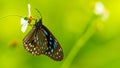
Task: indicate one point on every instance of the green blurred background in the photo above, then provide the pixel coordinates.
(67, 20)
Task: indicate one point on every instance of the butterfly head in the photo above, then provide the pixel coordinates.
(38, 23)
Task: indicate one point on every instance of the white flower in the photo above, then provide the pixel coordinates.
(100, 10)
(24, 22)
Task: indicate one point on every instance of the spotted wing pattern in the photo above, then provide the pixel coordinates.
(41, 41)
(54, 49)
(35, 42)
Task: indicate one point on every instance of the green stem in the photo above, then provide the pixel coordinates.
(86, 36)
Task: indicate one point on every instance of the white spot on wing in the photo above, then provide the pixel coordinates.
(34, 48)
(57, 53)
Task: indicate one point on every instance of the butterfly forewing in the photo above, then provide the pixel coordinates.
(35, 42)
(54, 49)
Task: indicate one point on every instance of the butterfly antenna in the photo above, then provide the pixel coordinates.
(39, 13)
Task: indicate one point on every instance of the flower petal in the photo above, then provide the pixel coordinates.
(24, 24)
(22, 21)
(24, 27)
(29, 13)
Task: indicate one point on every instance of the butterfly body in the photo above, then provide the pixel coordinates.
(41, 41)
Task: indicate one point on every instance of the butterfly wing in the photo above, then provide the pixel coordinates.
(35, 42)
(41, 41)
(54, 49)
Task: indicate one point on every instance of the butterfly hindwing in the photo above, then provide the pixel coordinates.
(54, 49)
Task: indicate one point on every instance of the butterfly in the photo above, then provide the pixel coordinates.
(41, 41)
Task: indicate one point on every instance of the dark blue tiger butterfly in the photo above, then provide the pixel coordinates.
(41, 41)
